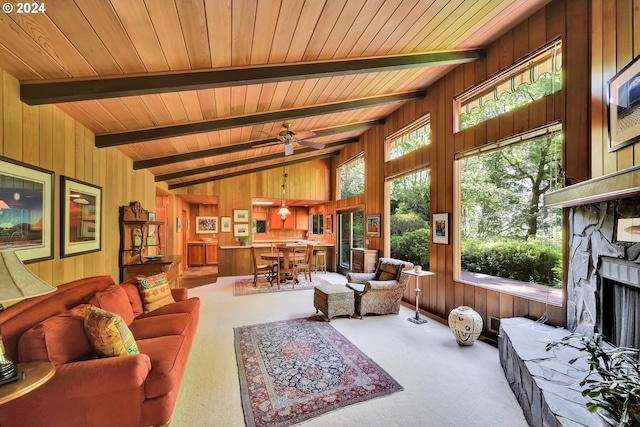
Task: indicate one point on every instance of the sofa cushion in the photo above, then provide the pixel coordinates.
(108, 333)
(115, 300)
(155, 291)
(160, 326)
(135, 299)
(59, 339)
(388, 271)
(168, 357)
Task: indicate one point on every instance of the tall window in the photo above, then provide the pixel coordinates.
(409, 230)
(536, 76)
(414, 136)
(505, 231)
(350, 180)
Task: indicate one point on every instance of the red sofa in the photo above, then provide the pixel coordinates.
(87, 391)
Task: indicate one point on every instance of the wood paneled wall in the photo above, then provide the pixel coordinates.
(46, 137)
(566, 19)
(615, 42)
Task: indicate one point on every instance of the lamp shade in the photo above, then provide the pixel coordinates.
(17, 282)
(4, 205)
(284, 211)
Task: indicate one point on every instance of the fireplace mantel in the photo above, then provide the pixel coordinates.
(618, 185)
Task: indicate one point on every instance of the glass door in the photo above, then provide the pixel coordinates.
(351, 235)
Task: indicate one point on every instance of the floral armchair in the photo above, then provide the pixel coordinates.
(380, 292)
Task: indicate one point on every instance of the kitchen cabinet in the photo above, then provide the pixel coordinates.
(202, 253)
(302, 219)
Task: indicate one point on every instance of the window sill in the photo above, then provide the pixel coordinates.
(540, 293)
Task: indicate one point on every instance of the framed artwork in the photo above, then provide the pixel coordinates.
(440, 228)
(328, 223)
(623, 106)
(225, 224)
(26, 210)
(240, 230)
(80, 217)
(206, 224)
(151, 216)
(178, 225)
(373, 225)
(241, 215)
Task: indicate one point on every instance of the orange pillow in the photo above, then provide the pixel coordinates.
(115, 300)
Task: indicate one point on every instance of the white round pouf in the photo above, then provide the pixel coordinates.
(466, 324)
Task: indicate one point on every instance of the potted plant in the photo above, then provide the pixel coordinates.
(244, 240)
(612, 384)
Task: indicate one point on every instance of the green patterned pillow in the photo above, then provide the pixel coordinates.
(108, 333)
(155, 291)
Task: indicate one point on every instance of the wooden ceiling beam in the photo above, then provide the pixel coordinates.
(38, 92)
(246, 171)
(234, 148)
(243, 162)
(122, 138)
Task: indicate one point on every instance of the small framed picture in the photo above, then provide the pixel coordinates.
(206, 224)
(241, 215)
(440, 228)
(240, 230)
(81, 217)
(373, 225)
(178, 225)
(623, 106)
(225, 224)
(328, 223)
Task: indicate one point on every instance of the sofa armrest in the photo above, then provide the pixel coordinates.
(360, 277)
(382, 285)
(87, 375)
(180, 294)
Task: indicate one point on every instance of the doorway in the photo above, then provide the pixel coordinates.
(350, 235)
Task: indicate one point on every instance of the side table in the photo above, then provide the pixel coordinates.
(32, 376)
(418, 275)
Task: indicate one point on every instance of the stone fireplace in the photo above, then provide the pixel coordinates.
(603, 272)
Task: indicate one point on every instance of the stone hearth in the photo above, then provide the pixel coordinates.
(545, 384)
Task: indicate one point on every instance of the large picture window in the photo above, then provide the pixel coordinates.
(533, 78)
(508, 238)
(409, 230)
(350, 178)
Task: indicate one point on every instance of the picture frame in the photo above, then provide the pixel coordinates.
(440, 228)
(26, 210)
(328, 223)
(80, 217)
(225, 224)
(373, 225)
(206, 224)
(241, 215)
(623, 106)
(241, 229)
(151, 216)
(178, 225)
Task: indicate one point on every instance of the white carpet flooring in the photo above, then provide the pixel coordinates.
(444, 384)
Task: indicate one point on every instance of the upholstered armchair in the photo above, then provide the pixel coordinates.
(380, 292)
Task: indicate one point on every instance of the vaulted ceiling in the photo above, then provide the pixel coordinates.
(198, 90)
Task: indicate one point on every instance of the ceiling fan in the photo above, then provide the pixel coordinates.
(287, 137)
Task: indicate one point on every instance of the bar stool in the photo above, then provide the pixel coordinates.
(320, 260)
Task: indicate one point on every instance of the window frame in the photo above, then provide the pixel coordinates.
(421, 122)
(346, 163)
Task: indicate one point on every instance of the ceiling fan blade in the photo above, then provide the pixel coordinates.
(315, 145)
(288, 149)
(304, 135)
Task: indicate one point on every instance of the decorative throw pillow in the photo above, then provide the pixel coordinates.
(155, 291)
(108, 333)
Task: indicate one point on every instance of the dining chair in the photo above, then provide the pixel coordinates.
(265, 270)
(305, 266)
(287, 269)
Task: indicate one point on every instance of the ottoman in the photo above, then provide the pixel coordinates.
(334, 300)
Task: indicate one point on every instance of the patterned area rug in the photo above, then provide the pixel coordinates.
(245, 286)
(294, 370)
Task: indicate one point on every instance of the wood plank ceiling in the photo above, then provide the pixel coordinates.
(196, 90)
